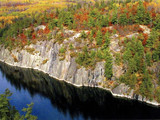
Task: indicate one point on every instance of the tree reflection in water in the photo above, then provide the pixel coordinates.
(93, 103)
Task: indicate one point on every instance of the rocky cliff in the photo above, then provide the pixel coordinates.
(44, 56)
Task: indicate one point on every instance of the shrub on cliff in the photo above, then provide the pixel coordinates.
(62, 49)
(83, 35)
(108, 65)
(99, 37)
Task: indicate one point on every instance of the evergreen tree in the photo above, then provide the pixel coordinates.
(99, 37)
(127, 55)
(138, 59)
(93, 54)
(147, 18)
(91, 36)
(108, 65)
(60, 24)
(99, 54)
(98, 23)
(114, 17)
(8, 112)
(131, 19)
(146, 87)
(118, 58)
(152, 38)
(132, 65)
(156, 54)
(50, 25)
(107, 39)
(5, 106)
(68, 19)
(28, 111)
(133, 81)
(83, 58)
(91, 22)
(104, 21)
(74, 25)
(94, 13)
(53, 23)
(139, 48)
(156, 23)
(148, 58)
(131, 45)
(28, 33)
(83, 35)
(123, 20)
(140, 13)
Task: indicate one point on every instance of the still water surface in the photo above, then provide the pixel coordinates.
(57, 100)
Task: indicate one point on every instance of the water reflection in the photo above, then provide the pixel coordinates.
(91, 103)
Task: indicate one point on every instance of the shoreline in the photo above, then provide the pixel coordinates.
(107, 89)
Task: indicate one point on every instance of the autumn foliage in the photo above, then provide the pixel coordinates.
(144, 42)
(46, 30)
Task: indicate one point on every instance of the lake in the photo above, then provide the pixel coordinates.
(58, 100)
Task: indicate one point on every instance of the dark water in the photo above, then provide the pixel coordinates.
(57, 100)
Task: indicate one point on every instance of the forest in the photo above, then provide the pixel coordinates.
(97, 21)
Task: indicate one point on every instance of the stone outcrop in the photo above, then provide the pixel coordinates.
(44, 56)
(63, 70)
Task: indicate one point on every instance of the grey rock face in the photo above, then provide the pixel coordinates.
(121, 89)
(66, 69)
(40, 27)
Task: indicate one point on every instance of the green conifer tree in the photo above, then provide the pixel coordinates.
(99, 37)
